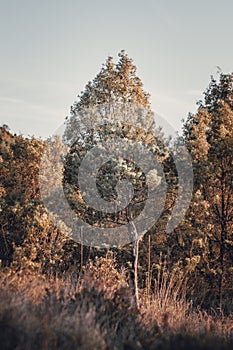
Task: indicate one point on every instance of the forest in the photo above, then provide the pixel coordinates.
(157, 288)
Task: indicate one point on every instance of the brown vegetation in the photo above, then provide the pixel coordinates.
(58, 294)
(93, 310)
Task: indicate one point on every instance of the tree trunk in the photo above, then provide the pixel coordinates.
(135, 239)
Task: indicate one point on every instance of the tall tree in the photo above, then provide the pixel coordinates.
(209, 136)
(116, 89)
(28, 237)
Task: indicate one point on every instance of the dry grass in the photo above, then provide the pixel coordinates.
(94, 311)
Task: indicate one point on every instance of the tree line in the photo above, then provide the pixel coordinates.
(201, 247)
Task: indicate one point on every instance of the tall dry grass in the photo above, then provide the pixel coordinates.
(167, 304)
(94, 310)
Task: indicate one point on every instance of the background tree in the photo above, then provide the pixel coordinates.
(209, 136)
(28, 237)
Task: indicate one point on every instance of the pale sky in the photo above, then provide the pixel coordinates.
(50, 49)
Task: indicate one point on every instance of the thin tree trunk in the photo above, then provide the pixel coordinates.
(148, 269)
(222, 241)
(222, 259)
(81, 247)
(136, 253)
(135, 239)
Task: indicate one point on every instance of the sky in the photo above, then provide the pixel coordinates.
(50, 49)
